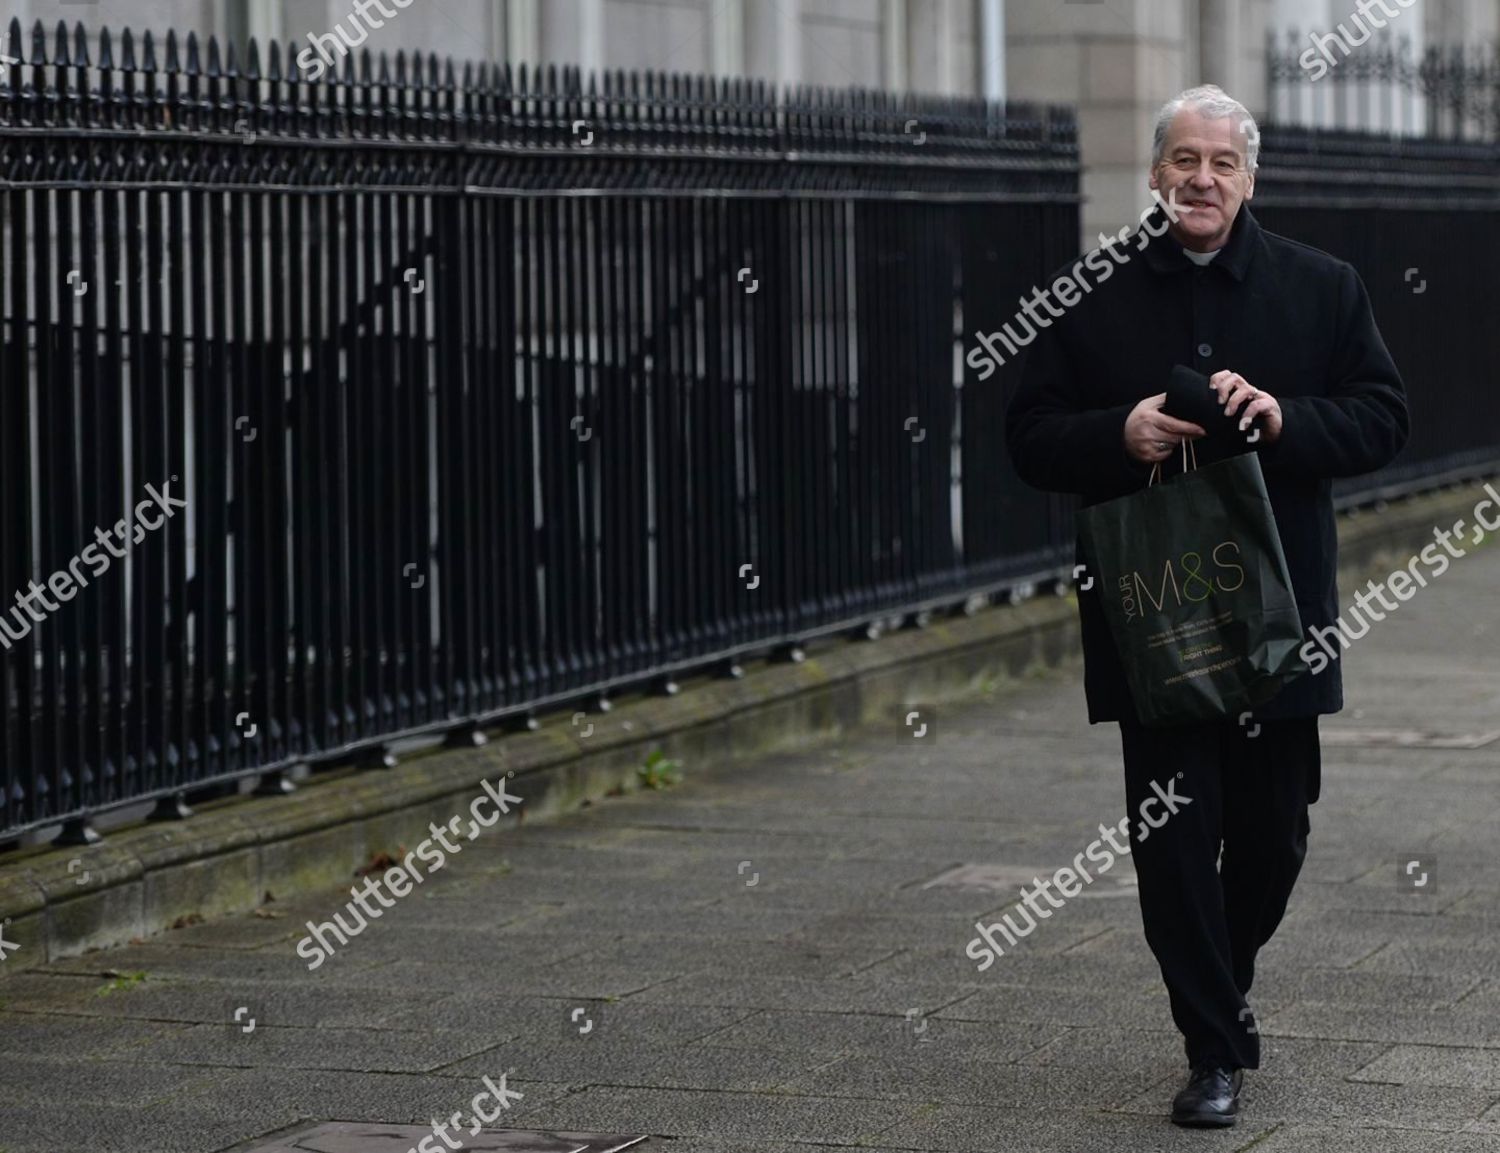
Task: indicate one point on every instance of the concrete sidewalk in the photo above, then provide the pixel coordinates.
(761, 965)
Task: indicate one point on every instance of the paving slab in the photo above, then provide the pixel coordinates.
(1359, 1139)
(948, 1128)
(839, 1033)
(1435, 1065)
(1314, 1099)
(719, 1115)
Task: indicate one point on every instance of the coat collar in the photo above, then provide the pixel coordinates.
(1164, 254)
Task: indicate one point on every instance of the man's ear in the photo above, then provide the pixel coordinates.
(1151, 181)
(1250, 188)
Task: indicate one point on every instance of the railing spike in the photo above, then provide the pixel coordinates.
(80, 44)
(214, 67)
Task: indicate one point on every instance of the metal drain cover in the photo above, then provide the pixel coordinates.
(364, 1137)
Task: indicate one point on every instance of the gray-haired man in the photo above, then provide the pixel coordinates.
(1284, 336)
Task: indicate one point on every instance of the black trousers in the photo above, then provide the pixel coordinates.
(1205, 916)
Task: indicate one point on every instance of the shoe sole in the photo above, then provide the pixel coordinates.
(1205, 1120)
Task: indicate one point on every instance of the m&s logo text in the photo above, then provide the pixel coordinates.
(1183, 580)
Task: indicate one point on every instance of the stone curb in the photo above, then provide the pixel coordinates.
(226, 858)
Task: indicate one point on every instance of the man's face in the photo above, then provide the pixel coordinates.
(1204, 165)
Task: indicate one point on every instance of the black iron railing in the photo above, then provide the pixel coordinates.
(486, 392)
(1420, 220)
(483, 391)
(1352, 76)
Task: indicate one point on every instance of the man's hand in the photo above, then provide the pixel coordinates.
(1234, 390)
(1151, 435)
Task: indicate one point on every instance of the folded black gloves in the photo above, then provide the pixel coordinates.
(1190, 397)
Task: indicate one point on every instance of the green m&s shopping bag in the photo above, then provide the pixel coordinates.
(1195, 588)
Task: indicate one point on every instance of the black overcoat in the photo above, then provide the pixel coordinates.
(1293, 321)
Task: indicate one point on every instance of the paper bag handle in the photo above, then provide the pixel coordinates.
(1187, 446)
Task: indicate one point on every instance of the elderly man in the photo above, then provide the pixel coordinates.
(1283, 336)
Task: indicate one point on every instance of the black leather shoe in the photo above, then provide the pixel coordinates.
(1210, 1099)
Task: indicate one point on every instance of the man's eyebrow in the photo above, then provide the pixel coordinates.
(1220, 150)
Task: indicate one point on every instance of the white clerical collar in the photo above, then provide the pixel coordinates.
(1201, 257)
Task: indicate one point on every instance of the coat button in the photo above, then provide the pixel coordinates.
(1205, 350)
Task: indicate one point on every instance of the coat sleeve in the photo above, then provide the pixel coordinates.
(1058, 441)
(1362, 423)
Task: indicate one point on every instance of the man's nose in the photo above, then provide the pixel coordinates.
(1202, 178)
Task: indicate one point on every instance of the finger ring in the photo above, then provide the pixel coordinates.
(1162, 444)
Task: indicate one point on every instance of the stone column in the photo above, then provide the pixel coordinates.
(992, 49)
(523, 32)
(773, 40)
(894, 75)
(1218, 45)
(572, 32)
(932, 45)
(726, 33)
(1117, 65)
